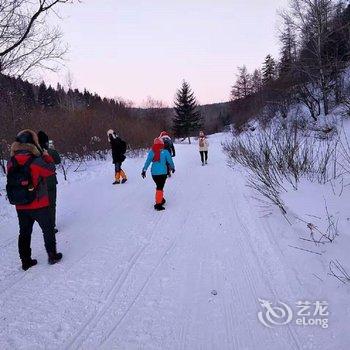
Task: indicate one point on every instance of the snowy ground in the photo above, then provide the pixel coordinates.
(187, 278)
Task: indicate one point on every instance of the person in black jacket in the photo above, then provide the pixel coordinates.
(52, 182)
(118, 153)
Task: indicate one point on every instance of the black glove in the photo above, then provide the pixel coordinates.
(173, 171)
(143, 174)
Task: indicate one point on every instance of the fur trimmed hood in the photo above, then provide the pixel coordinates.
(33, 148)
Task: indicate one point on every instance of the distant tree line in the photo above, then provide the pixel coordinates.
(76, 120)
(314, 53)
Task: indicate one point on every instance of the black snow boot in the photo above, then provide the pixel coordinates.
(159, 207)
(54, 258)
(116, 183)
(124, 180)
(163, 201)
(27, 264)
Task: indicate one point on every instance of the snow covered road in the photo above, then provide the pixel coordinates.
(187, 278)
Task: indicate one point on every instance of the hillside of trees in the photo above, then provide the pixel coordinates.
(291, 114)
(78, 120)
(314, 55)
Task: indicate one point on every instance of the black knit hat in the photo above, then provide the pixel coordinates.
(43, 139)
(25, 137)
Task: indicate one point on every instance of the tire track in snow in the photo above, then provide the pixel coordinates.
(76, 341)
(294, 336)
(160, 262)
(225, 267)
(149, 277)
(185, 326)
(246, 276)
(117, 285)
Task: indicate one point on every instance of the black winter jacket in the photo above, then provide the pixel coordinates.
(118, 149)
(52, 180)
(169, 145)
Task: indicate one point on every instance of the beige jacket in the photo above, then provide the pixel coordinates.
(203, 144)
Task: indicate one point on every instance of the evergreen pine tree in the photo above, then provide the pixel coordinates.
(28, 95)
(243, 85)
(187, 119)
(42, 94)
(47, 97)
(256, 81)
(288, 50)
(269, 70)
(51, 97)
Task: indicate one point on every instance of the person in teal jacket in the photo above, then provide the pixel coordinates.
(160, 159)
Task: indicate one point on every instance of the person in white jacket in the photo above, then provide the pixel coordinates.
(203, 147)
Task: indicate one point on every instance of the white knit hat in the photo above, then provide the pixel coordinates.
(112, 133)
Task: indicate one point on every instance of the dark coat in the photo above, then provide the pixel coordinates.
(52, 180)
(118, 149)
(44, 144)
(169, 145)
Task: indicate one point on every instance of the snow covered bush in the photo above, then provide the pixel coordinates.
(283, 153)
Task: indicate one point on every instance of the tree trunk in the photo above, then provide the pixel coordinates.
(325, 105)
(189, 139)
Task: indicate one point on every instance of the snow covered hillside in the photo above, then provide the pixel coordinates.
(191, 277)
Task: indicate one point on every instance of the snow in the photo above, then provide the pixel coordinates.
(133, 278)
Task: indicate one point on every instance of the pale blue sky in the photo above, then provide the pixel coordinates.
(135, 48)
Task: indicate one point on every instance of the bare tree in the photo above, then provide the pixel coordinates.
(312, 20)
(152, 103)
(158, 112)
(26, 40)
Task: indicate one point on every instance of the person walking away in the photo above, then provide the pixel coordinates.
(47, 145)
(160, 159)
(168, 145)
(118, 153)
(203, 147)
(27, 171)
